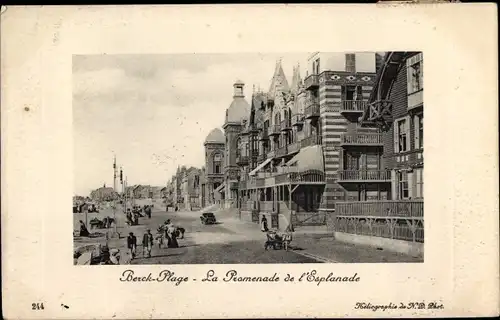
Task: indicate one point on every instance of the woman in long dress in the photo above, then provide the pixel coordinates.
(172, 234)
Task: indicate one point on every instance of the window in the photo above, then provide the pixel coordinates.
(419, 183)
(401, 135)
(217, 163)
(350, 62)
(418, 122)
(415, 74)
(350, 93)
(403, 185)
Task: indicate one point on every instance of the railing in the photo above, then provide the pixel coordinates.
(297, 119)
(365, 175)
(310, 141)
(312, 110)
(309, 218)
(271, 154)
(383, 209)
(353, 106)
(263, 135)
(293, 147)
(262, 157)
(286, 125)
(281, 152)
(266, 206)
(311, 81)
(402, 220)
(362, 139)
(309, 176)
(241, 159)
(274, 130)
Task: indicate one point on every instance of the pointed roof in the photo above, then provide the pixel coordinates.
(278, 82)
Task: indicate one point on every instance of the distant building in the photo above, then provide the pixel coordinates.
(104, 194)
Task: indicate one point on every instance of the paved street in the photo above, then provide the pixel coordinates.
(228, 241)
(232, 241)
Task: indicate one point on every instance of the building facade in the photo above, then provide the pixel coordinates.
(290, 150)
(191, 189)
(213, 175)
(395, 109)
(237, 112)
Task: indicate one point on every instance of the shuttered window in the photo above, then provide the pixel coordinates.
(419, 183)
(415, 74)
(402, 135)
(418, 123)
(403, 185)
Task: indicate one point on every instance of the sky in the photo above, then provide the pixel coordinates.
(154, 111)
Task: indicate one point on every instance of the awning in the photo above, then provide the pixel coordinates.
(309, 158)
(220, 188)
(260, 166)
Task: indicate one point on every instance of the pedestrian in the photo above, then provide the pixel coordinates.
(84, 232)
(263, 224)
(131, 245)
(147, 243)
(172, 235)
(148, 211)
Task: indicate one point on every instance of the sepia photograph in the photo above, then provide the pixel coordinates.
(248, 158)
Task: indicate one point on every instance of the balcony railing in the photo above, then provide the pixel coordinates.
(367, 139)
(293, 147)
(310, 141)
(262, 157)
(263, 135)
(281, 152)
(312, 111)
(357, 106)
(271, 154)
(365, 175)
(311, 82)
(241, 159)
(286, 125)
(274, 130)
(267, 206)
(298, 119)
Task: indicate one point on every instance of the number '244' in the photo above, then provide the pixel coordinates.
(37, 306)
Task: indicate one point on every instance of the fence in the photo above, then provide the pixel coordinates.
(402, 220)
(309, 218)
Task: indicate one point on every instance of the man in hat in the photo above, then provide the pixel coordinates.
(131, 245)
(147, 243)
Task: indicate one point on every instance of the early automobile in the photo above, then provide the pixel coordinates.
(208, 218)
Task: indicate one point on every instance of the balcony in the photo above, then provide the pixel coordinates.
(298, 120)
(310, 141)
(263, 136)
(241, 160)
(353, 106)
(312, 111)
(368, 139)
(293, 148)
(271, 154)
(274, 130)
(311, 82)
(286, 125)
(365, 176)
(281, 152)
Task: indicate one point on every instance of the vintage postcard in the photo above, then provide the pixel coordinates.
(249, 167)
